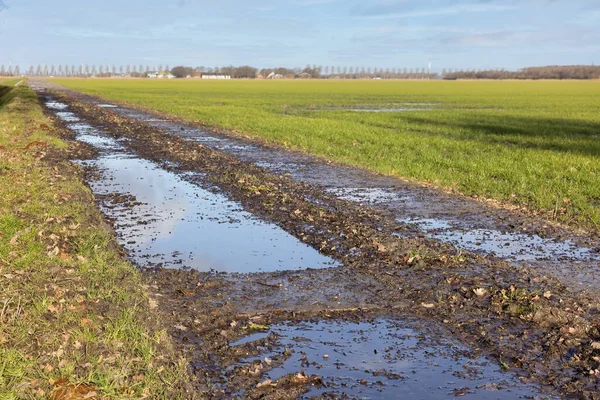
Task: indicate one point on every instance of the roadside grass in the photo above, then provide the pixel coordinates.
(530, 144)
(74, 316)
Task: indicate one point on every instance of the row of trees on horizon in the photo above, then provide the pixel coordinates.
(309, 72)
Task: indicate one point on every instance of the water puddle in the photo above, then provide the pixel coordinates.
(107, 105)
(385, 359)
(162, 219)
(512, 246)
(386, 110)
(368, 195)
(54, 105)
(67, 116)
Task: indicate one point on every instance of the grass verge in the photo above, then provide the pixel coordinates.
(75, 319)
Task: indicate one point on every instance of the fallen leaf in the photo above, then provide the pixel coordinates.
(300, 379)
(480, 292)
(152, 304)
(268, 382)
(428, 305)
(181, 327)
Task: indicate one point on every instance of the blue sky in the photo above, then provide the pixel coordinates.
(378, 33)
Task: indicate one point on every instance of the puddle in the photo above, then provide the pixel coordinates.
(386, 110)
(206, 139)
(54, 105)
(250, 338)
(67, 116)
(367, 195)
(164, 220)
(512, 246)
(107, 105)
(385, 359)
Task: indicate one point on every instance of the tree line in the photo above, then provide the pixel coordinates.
(308, 72)
(547, 72)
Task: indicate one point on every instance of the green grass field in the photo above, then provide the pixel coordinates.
(534, 144)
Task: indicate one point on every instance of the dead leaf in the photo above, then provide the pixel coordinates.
(87, 323)
(428, 305)
(300, 379)
(52, 308)
(152, 304)
(180, 327)
(14, 239)
(480, 292)
(268, 382)
(547, 294)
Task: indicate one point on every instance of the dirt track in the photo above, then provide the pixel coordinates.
(386, 272)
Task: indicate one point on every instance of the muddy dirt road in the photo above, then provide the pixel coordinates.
(283, 276)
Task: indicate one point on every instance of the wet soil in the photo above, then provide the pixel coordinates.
(392, 276)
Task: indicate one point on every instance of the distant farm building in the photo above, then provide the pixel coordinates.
(215, 77)
(160, 75)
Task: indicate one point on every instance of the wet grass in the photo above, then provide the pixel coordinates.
(74, 315)
(531, 144)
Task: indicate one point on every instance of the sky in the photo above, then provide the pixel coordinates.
(463, 34)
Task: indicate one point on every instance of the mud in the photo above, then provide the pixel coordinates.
(535, 325)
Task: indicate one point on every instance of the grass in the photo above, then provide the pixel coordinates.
(74, 315)
(531, 144)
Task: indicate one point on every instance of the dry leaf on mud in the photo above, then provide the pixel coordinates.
(180, 327)
(595, 345)
(481, 292)
(547, 294)
(268, 382)
(300, 379)
(428, 305)
(152, 304)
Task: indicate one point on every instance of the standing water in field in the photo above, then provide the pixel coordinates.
(166, 221)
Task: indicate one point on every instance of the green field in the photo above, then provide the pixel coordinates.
(535, 144)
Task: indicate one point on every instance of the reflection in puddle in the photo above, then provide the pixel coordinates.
(514, 246)
(163, 220)
(107, 105)
(386, 360)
